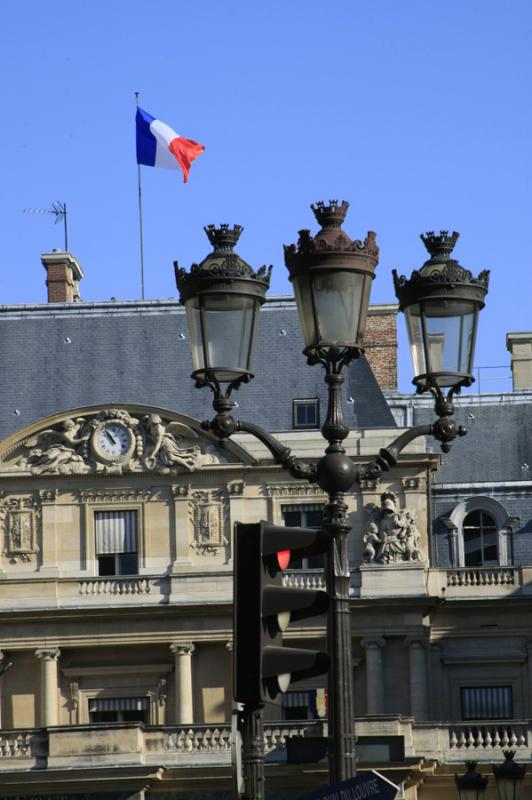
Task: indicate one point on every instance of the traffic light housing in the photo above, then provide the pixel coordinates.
(263, 608)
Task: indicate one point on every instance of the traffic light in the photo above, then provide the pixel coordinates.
(263, 608)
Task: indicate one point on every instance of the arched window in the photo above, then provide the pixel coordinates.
(480, 533)
(481, 547)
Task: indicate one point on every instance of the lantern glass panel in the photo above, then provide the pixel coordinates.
(471, 793)
(507, 788)
(332, 306)
(442, 338)
(222, 331)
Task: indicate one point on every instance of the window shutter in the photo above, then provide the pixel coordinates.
(119, 704)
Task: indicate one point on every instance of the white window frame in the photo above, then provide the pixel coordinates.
(313, 402)
(502, 521)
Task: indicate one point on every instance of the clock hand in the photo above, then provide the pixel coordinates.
(110, 437)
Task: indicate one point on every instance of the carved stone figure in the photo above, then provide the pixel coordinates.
(391, 535)
(55, 451)
(163, 451)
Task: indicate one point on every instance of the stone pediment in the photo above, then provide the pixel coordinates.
(116, 440)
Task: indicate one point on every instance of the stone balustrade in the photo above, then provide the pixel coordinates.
(26, 747)
(483, 576)
(188, 745)
(490, 736)
(115, 586)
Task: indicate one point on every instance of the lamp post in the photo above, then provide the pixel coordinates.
(509, 777)
(332, 278)
(471, 785)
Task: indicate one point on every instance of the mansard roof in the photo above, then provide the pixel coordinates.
(56, 357)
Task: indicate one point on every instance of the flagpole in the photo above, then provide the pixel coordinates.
(140, 220)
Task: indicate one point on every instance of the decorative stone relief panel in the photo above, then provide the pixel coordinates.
(391, 535)
(20, 518)
(113, 442)
(209, 514)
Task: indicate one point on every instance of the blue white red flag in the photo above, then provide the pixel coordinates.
(158, 145)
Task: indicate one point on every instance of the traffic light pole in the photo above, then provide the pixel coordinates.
(341, 750)
(253, 751)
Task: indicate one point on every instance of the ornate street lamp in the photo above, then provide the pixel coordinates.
(441, 302)
(332, 280)
(332, 277)
(509, 777)
(222, 296)
(471, 785)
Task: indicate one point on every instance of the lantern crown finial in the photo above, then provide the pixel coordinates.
(331, 214)
(223, 238)
(439, 246)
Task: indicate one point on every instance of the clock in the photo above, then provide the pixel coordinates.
(113, 442)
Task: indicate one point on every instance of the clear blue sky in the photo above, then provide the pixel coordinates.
(417, 112)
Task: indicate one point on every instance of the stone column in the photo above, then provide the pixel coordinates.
(49, 685)
(418, 679)
(183, 698)
(374, 675)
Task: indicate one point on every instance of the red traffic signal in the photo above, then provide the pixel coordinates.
(263, 608)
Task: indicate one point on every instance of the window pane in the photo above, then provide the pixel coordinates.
(314, 519)
(127, 564)
(306, 413)
(489, 542)
(487, 521)
(134, 716)
(292, 519)
(472, 548)
(103, 716)
(106, 565)
(473, 519)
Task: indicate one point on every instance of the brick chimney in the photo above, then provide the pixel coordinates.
(380, 341)
(63, 277)
(520, 347)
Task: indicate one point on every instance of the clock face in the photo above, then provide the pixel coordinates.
(113, 441)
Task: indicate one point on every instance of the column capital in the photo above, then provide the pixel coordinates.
(373, 643)
(48, 653)
(416, 642)
(182, 648)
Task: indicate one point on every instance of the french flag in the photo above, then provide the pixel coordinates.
(160, 146)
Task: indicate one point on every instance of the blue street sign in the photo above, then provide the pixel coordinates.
(369, 786)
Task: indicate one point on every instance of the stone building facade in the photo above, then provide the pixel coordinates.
(116, 515)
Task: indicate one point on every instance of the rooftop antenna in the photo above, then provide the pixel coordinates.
(59, 210)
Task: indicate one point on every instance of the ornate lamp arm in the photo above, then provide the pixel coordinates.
(224, 425)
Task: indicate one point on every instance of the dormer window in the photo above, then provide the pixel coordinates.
(306, 413)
